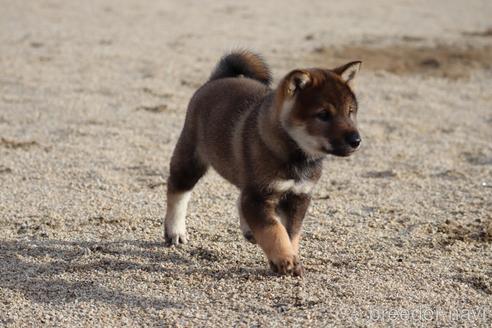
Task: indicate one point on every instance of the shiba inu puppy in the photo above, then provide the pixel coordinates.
(269, 143)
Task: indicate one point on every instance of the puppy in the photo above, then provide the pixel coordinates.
(269, 143)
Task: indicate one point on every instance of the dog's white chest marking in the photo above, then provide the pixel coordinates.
(297, 187)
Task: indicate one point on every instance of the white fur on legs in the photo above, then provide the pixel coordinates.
(175, 221)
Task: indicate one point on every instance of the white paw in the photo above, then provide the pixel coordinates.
(175, 221)
(176, 237)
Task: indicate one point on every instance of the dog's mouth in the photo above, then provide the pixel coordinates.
(340, 151)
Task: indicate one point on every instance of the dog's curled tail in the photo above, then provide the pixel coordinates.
(245, 63)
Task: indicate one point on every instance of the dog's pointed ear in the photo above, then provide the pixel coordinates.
(296, 81)
(348, 71)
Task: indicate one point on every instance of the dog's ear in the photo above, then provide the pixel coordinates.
(348, 71)
(296, 81)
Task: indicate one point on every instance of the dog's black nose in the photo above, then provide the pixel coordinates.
(353, 139)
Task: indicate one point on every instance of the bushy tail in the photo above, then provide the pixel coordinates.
(244, 63)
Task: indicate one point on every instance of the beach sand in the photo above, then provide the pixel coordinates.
(93, 95)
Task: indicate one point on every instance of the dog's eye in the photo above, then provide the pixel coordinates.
(323, 116)
(351, 111)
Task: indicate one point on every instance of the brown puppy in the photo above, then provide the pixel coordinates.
(267, 142)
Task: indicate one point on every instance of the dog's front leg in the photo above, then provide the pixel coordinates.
(291, 210)
(259, 211)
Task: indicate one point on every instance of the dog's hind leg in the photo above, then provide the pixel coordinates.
(186, 169)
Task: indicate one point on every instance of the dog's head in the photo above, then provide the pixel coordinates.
(318, 109)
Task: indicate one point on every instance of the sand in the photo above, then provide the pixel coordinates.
(92, 99)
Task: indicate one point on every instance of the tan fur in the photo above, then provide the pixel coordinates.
(275, 242)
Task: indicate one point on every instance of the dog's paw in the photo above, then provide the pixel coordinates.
(175, 238)
(288, 265)
(248, 235)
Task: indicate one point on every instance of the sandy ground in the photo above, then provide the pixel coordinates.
(92, 99)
